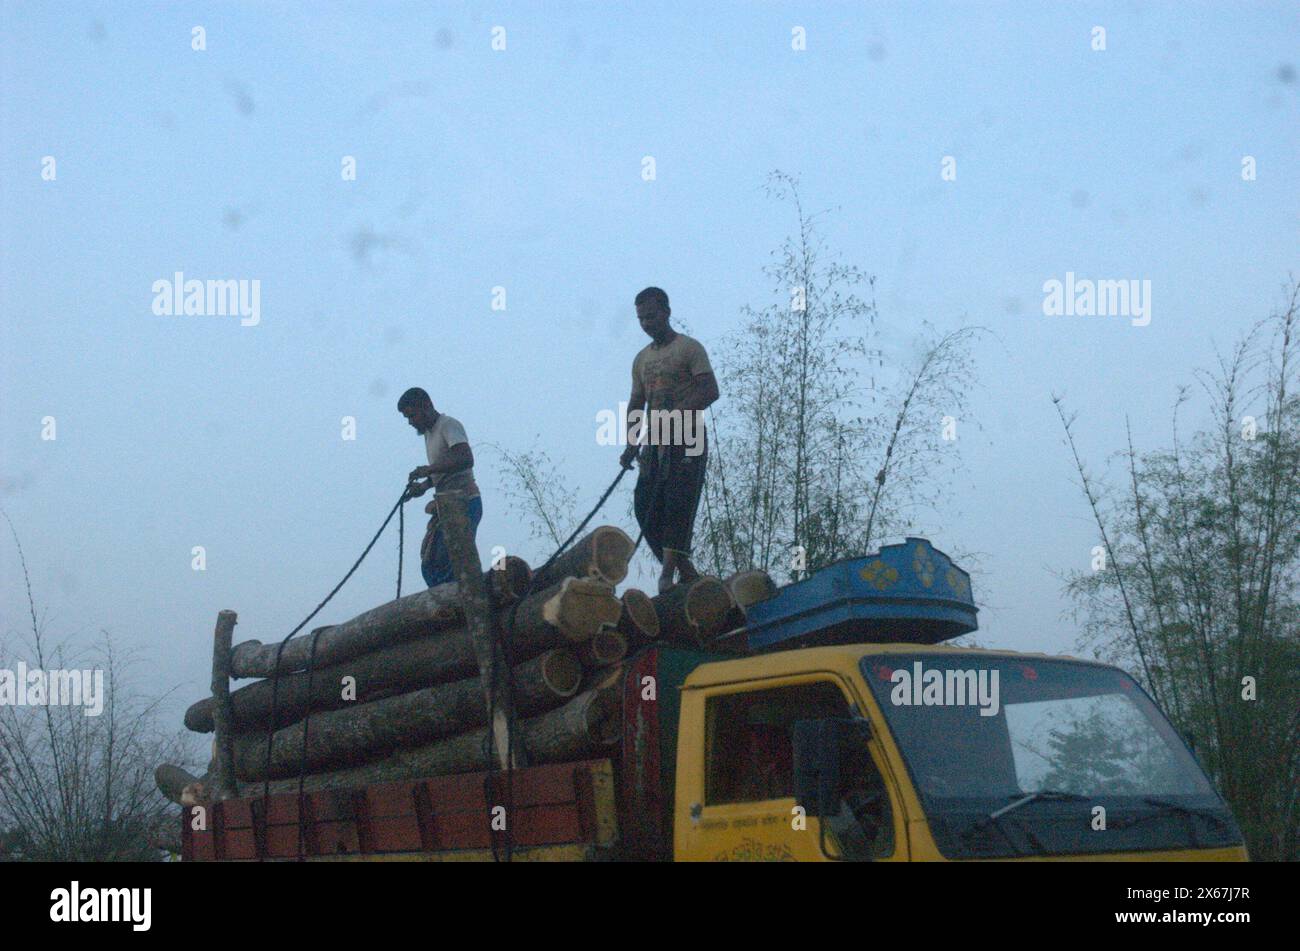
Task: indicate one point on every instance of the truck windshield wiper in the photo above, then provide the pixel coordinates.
(995, 818)
(1164, 805)
(1042, 795)
(1190, 813)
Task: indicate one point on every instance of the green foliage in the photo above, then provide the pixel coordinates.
(1201, 593)
(796, 461)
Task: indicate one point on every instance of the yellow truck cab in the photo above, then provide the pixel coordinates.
(915, 752)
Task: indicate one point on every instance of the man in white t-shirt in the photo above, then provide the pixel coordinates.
(451, 467)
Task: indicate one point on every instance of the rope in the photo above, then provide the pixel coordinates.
(401, 541)
(311, 657)
(506, 642)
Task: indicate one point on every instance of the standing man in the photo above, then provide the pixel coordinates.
(672, 377)
(451, 467)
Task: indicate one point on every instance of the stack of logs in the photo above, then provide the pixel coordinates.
(398, 693)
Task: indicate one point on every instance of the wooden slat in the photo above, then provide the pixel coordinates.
(238, 845)
(331, 838)
(552, 805)
(394, 834)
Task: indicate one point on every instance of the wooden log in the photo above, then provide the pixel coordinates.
(509, 580)
(416, 614)
(638, 619)
(576, 607)
(223, 719)
(585, 726)
(608, 646)
(577, 610)
(693, 611)
(745, 588)
(367, 731)
(494, 675)
(602, 555)
(559, 674)
(606, 680)
(172, 781)
(750, 587)
(198, 793)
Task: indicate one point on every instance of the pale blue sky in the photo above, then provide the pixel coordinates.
(522, 168)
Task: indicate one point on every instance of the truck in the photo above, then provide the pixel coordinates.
(834, 724)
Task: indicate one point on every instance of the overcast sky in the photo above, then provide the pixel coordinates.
(523, 168)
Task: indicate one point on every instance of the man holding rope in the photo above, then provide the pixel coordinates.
(451, 467)
(673, 378)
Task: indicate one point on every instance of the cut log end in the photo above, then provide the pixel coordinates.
(707, 605)
(582, 607)
(638, 619)
(607, 646)
(562, 672)
(693, 611)
(173, 780)
(510, 580)
(611, 549)
(750, 587)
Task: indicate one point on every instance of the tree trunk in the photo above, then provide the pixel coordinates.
(410, 665)
(750, 587)
(746, 588)
(172, 781)
(494, 675)
(421, 613)
(607, 681)
(638, 619)
(601, 555)
(585, 726)
(691, 612)
(356, 734)
(223, 719)
(576, 607)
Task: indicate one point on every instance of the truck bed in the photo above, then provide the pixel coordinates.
(560, 812)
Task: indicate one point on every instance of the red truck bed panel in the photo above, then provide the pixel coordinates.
(553, 804)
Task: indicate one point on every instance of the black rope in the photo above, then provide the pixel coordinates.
(507, 630)
(401, 540)
(590, 515)
(311, 656)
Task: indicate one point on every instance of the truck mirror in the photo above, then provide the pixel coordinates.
(818, 746)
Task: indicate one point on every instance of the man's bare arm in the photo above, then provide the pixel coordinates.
(458, 457)
(702, 394)
(635, 404)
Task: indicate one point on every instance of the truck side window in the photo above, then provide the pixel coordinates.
(749, 752)
(864, 825)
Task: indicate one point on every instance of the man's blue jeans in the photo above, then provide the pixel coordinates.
(436, 566)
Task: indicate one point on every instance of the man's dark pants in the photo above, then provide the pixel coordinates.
(667, 495)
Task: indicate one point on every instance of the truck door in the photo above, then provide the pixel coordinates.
(735, 788)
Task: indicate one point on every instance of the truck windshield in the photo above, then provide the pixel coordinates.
(1020, 756)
